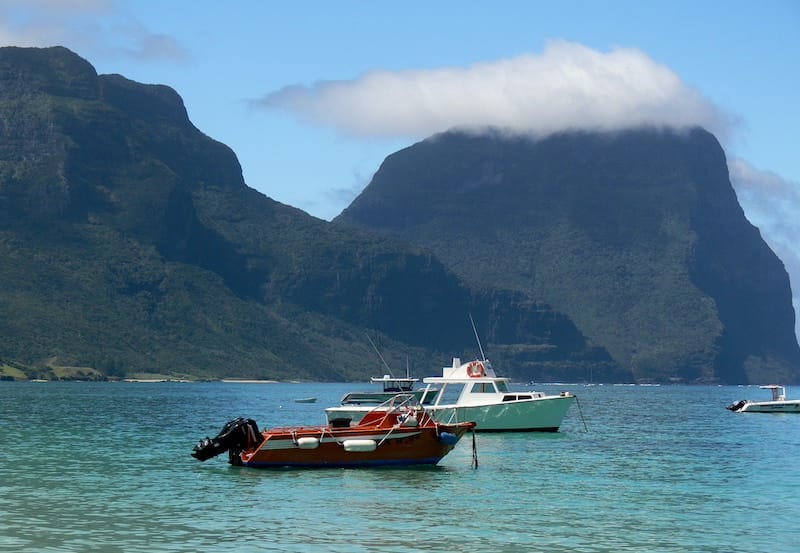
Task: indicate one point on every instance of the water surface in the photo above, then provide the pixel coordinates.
(106, 467)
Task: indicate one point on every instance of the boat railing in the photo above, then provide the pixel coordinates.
(390, 408)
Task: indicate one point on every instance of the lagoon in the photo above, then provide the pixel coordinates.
(105, 466)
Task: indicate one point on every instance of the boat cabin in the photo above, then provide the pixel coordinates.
(391, 386)
(395, 385)
(473, 383)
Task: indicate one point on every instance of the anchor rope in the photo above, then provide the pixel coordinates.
(474, 451)
(585, 428)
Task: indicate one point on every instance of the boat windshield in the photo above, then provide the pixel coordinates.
(483, 388)
(449, 394)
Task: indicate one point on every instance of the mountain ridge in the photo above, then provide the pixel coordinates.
(130, 244)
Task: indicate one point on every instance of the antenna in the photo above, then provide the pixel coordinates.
(380, 356)
(475, 330)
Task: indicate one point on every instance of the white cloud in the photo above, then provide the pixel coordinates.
(772, 203)
(100, 27)
(73, 6)
(568, 86)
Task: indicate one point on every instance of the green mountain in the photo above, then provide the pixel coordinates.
(130, 244)
(636, 237)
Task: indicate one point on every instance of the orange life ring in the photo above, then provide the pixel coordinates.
(475, 369)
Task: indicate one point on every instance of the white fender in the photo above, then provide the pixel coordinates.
(309, 442)
(360, 445)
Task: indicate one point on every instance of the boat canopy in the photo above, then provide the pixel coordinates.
(393, 384)
(778, 392)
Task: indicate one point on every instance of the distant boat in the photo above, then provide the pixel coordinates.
(306, 400)
(779, 403)
(398, 433)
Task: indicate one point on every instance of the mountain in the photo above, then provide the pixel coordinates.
(130, 245)
(635, 237)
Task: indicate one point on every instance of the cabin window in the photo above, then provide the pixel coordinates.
(515, 398)
(502, 387)
(483, 388)
(449, 394)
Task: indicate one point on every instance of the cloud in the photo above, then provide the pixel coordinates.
(72, 6)
(772, 203)
(568, 86)
(98, 27)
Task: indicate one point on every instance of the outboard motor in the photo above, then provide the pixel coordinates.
(236, 436)
(737, 406)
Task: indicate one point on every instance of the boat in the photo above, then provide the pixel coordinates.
(391, 386)
(306, 400)
(779, 403)
(399, 432)
(473, 392)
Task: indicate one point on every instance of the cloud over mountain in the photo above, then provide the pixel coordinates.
(568, 86)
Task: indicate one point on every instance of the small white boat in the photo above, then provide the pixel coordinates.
(306, 400)
(779, 403)
(473, 392)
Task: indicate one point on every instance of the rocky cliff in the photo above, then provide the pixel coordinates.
(636, 237)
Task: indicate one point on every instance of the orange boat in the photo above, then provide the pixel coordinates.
(397, 433)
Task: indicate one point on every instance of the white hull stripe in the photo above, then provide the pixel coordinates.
(289, 443)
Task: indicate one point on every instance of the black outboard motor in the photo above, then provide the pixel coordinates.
(737, 406)
(238, 435)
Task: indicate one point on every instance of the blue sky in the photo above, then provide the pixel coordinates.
(312, 96)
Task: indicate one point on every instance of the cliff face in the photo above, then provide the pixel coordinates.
(129, 242)
(636, 237)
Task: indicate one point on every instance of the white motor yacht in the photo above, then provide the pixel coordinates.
(779, 403)
(473, 392)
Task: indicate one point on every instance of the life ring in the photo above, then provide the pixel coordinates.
(475, 369)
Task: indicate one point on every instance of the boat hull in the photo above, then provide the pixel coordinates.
(538, 415)
(792, 406)
(400, 447)
(534, 415)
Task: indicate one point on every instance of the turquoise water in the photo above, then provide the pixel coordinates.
(106, 467)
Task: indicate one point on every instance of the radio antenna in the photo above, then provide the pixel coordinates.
(380, 356)
(477, 338)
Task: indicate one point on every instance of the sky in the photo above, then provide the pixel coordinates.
(313, 95)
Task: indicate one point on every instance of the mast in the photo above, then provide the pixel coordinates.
(475, 330)
(380, 356)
